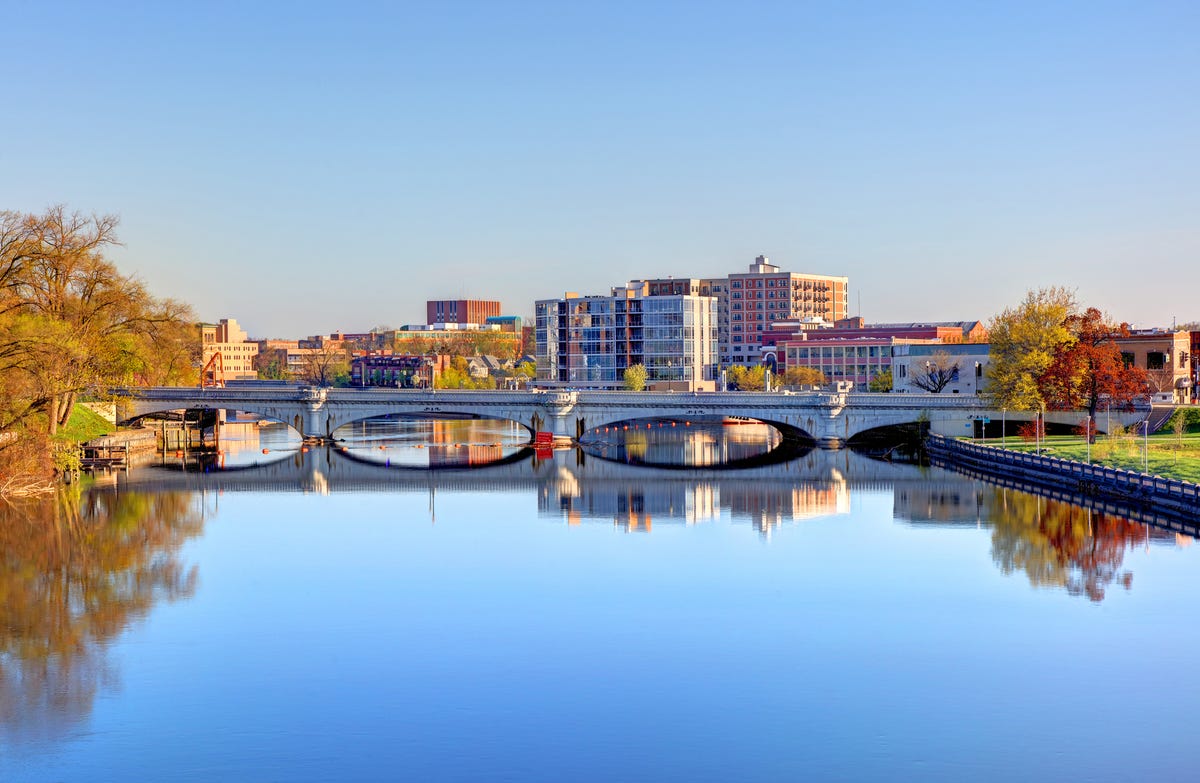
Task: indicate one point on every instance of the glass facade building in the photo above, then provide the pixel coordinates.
(589, 341)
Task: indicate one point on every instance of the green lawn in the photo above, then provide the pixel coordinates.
(83, 425)
(1167, 456)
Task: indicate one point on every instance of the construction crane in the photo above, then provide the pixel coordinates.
(213, 373)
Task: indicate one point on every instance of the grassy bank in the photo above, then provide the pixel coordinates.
(1167, 455)
(29, 463)
(83, 425)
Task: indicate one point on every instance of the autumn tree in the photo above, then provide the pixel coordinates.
(747, 378)
(941, 369)
(1089, 367)
(1024, 340)
(804, 376)
(635, 377)
(70, 323)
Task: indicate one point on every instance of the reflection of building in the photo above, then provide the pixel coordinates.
(592, 340)
(767, 510)
(237, 353)
(630, 506)
(953, 500)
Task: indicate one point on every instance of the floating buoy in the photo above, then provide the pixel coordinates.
(179, 454)
(304, 449)
(266, 451)
(345, 449)
(381, 448)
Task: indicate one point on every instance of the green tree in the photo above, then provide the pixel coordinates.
(881, 383)
(1024, 340)
(635, 377)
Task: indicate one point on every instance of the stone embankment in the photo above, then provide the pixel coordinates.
(1126, 488)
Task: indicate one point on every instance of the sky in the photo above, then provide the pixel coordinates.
(309, 167)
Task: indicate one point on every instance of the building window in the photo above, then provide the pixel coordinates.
(1156, 360)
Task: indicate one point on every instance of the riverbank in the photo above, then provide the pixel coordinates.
(1163, 454)
(1130, 488)
(32, 462)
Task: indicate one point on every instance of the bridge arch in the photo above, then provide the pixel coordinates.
(292, 419)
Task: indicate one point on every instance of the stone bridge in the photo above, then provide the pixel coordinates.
(830, 419)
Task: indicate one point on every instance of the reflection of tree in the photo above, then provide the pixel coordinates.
(1060, 545)
(74, 573)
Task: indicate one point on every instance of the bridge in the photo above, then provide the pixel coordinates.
(829, 418)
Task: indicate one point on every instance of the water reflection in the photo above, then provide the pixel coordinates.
(75, 571)
(1056, 544)
(432, 443)
(1060, 545)
(670, 443)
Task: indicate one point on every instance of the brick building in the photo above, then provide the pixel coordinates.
(460, 311)
(764, 295)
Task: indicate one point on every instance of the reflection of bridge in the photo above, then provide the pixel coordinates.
(580, 488)
(830, 419)
(577, 487)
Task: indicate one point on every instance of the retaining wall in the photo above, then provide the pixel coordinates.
(1127, 487)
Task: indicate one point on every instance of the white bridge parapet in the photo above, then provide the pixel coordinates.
(831, 419)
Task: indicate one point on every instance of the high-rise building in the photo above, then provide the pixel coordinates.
(589, 341)
(764, 295)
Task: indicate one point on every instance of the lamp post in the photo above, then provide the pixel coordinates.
(1003, 428)
(1088, 437)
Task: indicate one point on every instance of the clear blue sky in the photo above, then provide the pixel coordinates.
(306, 167)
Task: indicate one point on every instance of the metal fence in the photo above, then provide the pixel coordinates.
(1084, 477)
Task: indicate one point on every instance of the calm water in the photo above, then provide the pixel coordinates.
(355, 615)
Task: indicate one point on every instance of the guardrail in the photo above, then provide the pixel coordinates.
(1085, 478)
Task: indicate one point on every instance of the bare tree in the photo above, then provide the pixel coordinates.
(326, 365)
(941, 370)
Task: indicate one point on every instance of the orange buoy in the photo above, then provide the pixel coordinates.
(179, 454)
(304, 449)
(266, 451)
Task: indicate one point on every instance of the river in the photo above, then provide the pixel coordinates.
(431, 600)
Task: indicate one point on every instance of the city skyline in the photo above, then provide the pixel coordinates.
(312, 170)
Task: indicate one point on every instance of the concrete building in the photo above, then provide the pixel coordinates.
(460, 311)
(764, 295)
(227, 338)
(970, 360)
(1166, 357)
(851, 350)
(589, 341)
